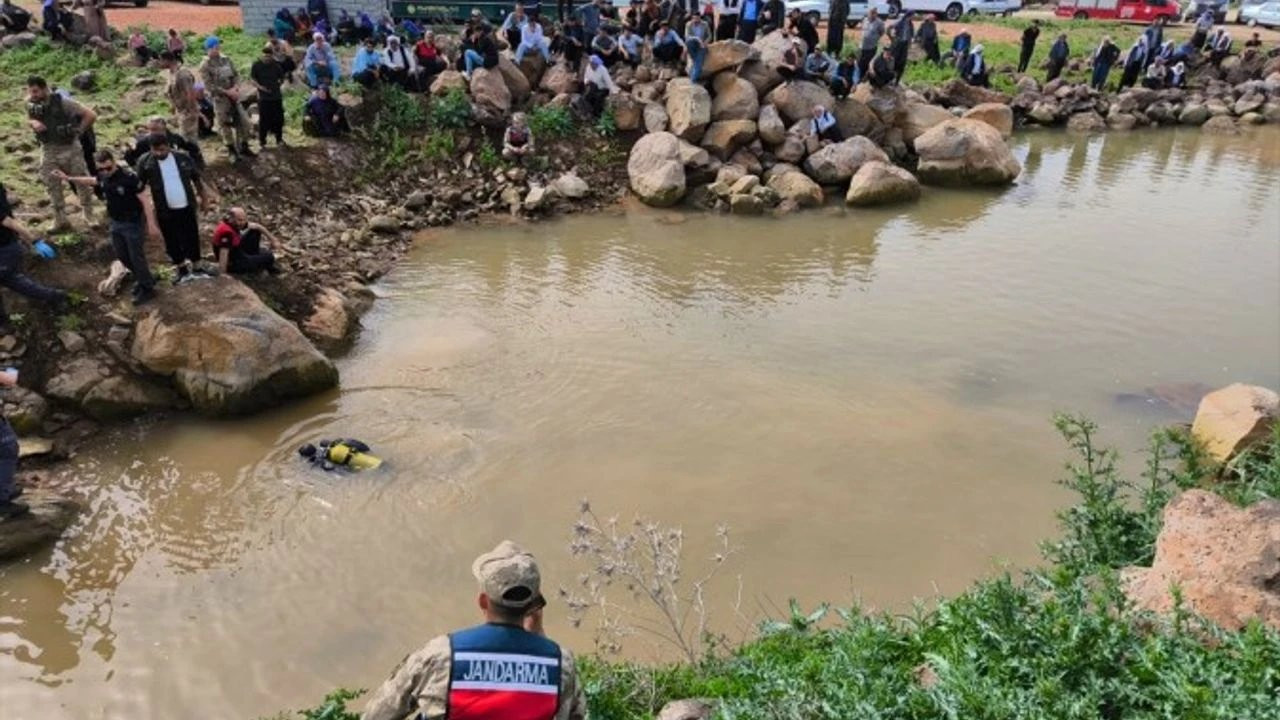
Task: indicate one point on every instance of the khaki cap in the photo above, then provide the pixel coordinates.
(509, 576)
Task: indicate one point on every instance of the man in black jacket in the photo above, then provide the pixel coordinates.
(1029, 37)
(1059, 53)
(176, 192)
(157, 125)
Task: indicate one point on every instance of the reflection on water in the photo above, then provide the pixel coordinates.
(862, 396)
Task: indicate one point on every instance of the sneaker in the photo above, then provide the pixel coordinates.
(13, 509)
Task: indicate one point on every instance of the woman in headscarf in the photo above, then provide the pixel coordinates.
(302, 24)
(284, 25)
(327, 118)
(1103, 58)
(975, 68)
(402, 66)
(347, 32)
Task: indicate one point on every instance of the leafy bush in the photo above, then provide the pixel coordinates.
(549, 121)
(487, 156)
(439, 146)
(451, 112)
(607, 125)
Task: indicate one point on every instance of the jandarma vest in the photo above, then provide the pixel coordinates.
(500, 672)
(60, 126)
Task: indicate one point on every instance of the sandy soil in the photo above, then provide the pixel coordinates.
(164, 14)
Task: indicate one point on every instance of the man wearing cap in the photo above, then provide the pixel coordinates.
(504, 669)
(221, 81)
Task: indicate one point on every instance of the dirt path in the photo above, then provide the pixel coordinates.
(165, 14)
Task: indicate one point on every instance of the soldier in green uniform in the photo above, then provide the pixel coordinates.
(58, 121)
(221, 81)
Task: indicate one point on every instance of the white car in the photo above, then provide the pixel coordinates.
(1266, 15)
(817, 10)
(993, 7)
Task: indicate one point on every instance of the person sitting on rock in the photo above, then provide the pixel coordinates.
(817, 66)
(345, 453)
(1178, 75)
(321, 62)
(345, 29)
(302, 25)
(513, 25)
(532, 38)
(975, 68)
(960, 45)
(571, 42)
(325, 117)
(483, 52)
(597, 85)
(605, 47)
(823, 125)
(138, 46)
(881, 74)
(1219, 46)
(238, 245)
(402, 66)
(773, 16)
(1157, 76)
(367, 67)
(668, 48)
(13, 19)
(1254, 41)
(431, 59)
(283, 25)
(157, 125)
(207, 116)
(631, 45)
(11, 256)
(517, 140)
(697, 36)
(845, 77)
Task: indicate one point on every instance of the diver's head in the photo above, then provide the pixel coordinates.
(307, 451)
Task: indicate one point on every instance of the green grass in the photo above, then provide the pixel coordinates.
(1059, 642)
(550, 121)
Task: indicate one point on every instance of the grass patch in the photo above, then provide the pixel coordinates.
(550, 121)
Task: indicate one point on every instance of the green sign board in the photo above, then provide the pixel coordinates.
(442, 12)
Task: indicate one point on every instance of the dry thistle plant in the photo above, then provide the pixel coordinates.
(645, 560)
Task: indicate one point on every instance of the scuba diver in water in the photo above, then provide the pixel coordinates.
(348, 453)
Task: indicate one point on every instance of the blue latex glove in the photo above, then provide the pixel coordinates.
(44, 249)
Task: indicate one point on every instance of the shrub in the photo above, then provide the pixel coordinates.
(439, 146)
(607, 125)
(549, 121)
(451, 112)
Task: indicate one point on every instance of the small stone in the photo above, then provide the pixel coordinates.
(386, 224)
(72, 342)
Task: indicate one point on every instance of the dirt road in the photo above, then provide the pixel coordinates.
(164, 14)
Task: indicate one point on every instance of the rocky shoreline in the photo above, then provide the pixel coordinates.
(736, 142)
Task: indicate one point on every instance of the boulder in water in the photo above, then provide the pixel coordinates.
(227, 352)
(919, 117)
(49, 516)
(655, 170)
(965, 152)
(997, 115)
(796, 187)
(835, 163)
(881, 183)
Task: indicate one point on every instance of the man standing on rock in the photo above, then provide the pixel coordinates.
(903, 33)
(1059, 53)
(221, 82)
(837, 17)
(1029, 37)
(59, 122)
(11, 256)
(727, 22)
(180, 89)
(872, 31)
(176, 188)
(504, 668)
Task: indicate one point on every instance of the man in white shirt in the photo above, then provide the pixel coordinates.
(401, 65)
(727, 22)
(177, 190)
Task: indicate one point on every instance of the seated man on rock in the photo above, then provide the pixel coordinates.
(668, 48)
(157, 125)
(320, 62)
(571, 42)
(631, 45)
(817, 66)
(880, 74)
(517, 140)
(792, 65)
(604, 46)
(845, 77)
(238, 246)
(369, 66)
(13, 19)
(823, 126)
(324, 116)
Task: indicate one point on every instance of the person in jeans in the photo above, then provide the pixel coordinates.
(238, 246)
(532, 38)
(9, 490)
(268, 76)
(11, 256)
(697, 35)
(122, 192)
(177, 190)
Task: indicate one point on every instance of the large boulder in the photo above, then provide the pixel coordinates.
(795, 100)
(997, 115)
(959, 92)
(49, 516)
(628, 113)
(25, 410)
(655, 117)
(448, 81)
(886, 102)
(791, 150)
(533, 67)
(965, 152)
(880, 183)
(837, 162)
(735, 98)
(75, 379)
(517, 83)
(761, 76)
(1193, 113)
(560, 79)
(796, 187)
(688, 109)
(855, 118)
(125, 396)
(1222, 561)
(489, 90)
(919, 117)
(334, 318)
(1086, 122)
(769, 124)
(1233, 418)
(724, 137)
(227, 352)
(655, 170)
(18, 40)
(1220, 125)
(726, 54)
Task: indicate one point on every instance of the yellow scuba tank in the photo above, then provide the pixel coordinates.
(342, 454)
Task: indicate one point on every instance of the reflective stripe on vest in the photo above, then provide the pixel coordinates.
(499, 672)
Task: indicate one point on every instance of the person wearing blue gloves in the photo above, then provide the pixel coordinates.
(11, 275)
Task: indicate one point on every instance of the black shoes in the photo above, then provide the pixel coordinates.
(143, 295)
(13, 509)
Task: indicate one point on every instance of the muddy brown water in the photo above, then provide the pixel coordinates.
(863, 398)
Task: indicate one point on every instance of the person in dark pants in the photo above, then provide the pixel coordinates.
(801, 25)
(748, 20)
(564, 9)
(9, 490)
(122, 192)
(927, 37)
(1029, 37)
(1134, 63)
(268, 76)
(845, 77)
(903, 33)
(11, 256)
(237, 244)
(13, 19)
(881, 74)
(1059, 53)
(176, 191)
(1103, 58)
(872, 31)
(727, 27)
(837, 17)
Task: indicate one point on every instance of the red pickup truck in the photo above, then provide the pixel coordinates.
(1143, 11)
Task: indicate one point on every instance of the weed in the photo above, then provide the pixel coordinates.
(71, 322)
(607, 125)
(18, 320)
(550, 121)
(487, 156)
(66, 241)
(451, 111)
(334, 707)
(439, 146)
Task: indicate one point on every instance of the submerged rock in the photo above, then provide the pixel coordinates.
(880, 183)
(1224, 560)
(965, 152)
(227, 352)
(49, 517)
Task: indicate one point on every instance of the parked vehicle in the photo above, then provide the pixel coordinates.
(1196, 8)
(443, 12)
(1143, 11)
(1266, 15)
(993, 7)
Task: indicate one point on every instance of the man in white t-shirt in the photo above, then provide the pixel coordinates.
(177, 191)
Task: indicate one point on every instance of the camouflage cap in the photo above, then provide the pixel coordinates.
(509, 576)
